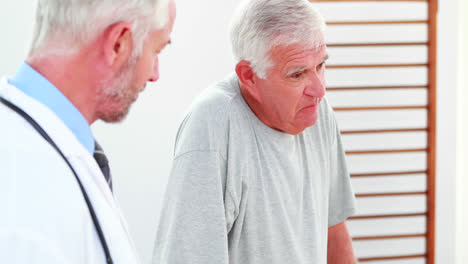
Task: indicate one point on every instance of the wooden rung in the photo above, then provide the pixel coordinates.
(388, 237)
(354, 66)
(349, 88)
(378, 44)
(367, 108)
(398, 130)
(359, 217)
(368, 195)
(381, 174)
(392, 258)
(384, 151)
(376, 22)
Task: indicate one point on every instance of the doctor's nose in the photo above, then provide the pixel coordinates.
(155, 71)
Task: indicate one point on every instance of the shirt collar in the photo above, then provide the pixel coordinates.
(38, 87)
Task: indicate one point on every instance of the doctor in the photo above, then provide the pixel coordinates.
(88, 60)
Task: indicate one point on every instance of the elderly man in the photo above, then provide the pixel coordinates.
(259, 172)
(88, 61)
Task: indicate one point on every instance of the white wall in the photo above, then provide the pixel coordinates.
(15, 27)
(446, 132)
(462, 140)
(140, 148)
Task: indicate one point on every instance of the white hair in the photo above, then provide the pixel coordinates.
(260, 25)
(62, 27)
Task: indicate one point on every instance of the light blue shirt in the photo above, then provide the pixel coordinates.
(38, 87)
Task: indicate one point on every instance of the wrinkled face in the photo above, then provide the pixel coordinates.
(293, 89)
(132, 78)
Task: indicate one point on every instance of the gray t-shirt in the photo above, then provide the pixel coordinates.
(241, 192)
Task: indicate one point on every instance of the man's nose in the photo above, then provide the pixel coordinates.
(315, 87)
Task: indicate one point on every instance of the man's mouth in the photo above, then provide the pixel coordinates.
(314, 103)
(317, 100)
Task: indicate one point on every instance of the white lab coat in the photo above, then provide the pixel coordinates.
(44, 218)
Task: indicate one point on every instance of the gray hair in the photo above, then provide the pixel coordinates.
(62, 27)
(259, 25)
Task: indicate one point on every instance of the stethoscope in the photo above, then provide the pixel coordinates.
(83, 191)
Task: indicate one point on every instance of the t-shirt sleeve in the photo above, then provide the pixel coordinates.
(193, 222)
(341, 197)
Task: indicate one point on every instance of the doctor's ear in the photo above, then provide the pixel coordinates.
(117, 44)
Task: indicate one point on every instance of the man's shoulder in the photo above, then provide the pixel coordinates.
(216, 99)
(207, 122)
(216, 104)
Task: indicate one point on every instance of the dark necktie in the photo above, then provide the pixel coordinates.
(103, 163)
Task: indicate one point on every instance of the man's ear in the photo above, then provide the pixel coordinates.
(247, 78)
(245, 73)
(118, 44)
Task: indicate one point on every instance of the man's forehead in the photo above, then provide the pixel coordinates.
(299, 50)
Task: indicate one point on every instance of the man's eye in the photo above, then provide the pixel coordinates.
(297, 75)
